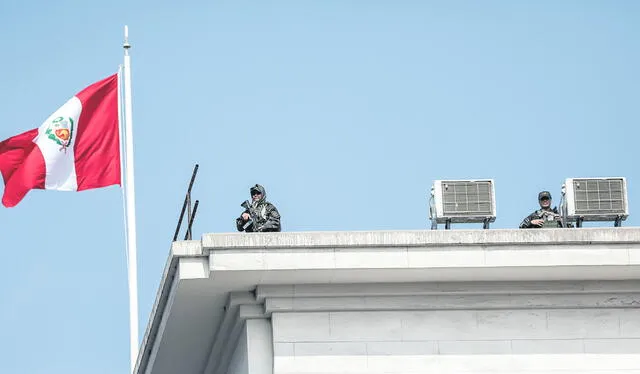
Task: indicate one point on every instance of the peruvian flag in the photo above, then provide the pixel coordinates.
(77, 148)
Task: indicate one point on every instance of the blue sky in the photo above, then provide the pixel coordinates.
(346, 111)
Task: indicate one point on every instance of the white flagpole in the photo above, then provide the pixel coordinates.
(129, 187)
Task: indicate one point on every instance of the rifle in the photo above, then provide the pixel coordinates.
(551, 219)
(247, 206)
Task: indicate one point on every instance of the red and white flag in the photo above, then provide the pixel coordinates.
(77, 148)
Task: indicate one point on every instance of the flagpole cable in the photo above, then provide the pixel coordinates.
(122, 157)
(131, 206)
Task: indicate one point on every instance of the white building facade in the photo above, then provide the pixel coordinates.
(453, 301)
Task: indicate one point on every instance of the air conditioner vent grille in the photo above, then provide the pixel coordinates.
(467, 198)
(599, 196)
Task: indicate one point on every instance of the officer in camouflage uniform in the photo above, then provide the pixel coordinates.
(543, 217)
(259, 214)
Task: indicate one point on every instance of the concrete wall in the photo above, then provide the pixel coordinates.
(260, 346)
(585, 332)
(240, 359)
(253, 352)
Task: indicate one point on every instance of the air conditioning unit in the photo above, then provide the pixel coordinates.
(595, 199)
(463, 201)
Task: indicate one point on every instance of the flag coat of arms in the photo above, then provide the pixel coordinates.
(77, 148)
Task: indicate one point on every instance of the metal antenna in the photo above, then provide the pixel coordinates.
(187, 235)
(187, 203)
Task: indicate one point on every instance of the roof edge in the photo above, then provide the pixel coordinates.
(187, 248)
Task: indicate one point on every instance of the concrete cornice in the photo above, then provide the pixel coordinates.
(422, 238)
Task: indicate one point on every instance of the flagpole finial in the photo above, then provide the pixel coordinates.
(126, 44)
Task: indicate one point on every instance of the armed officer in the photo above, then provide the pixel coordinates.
(259, 215)
(543, 217)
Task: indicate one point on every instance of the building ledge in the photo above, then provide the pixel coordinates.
(201, 275)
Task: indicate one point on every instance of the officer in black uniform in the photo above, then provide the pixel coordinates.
(259, 215)
(543, 217)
